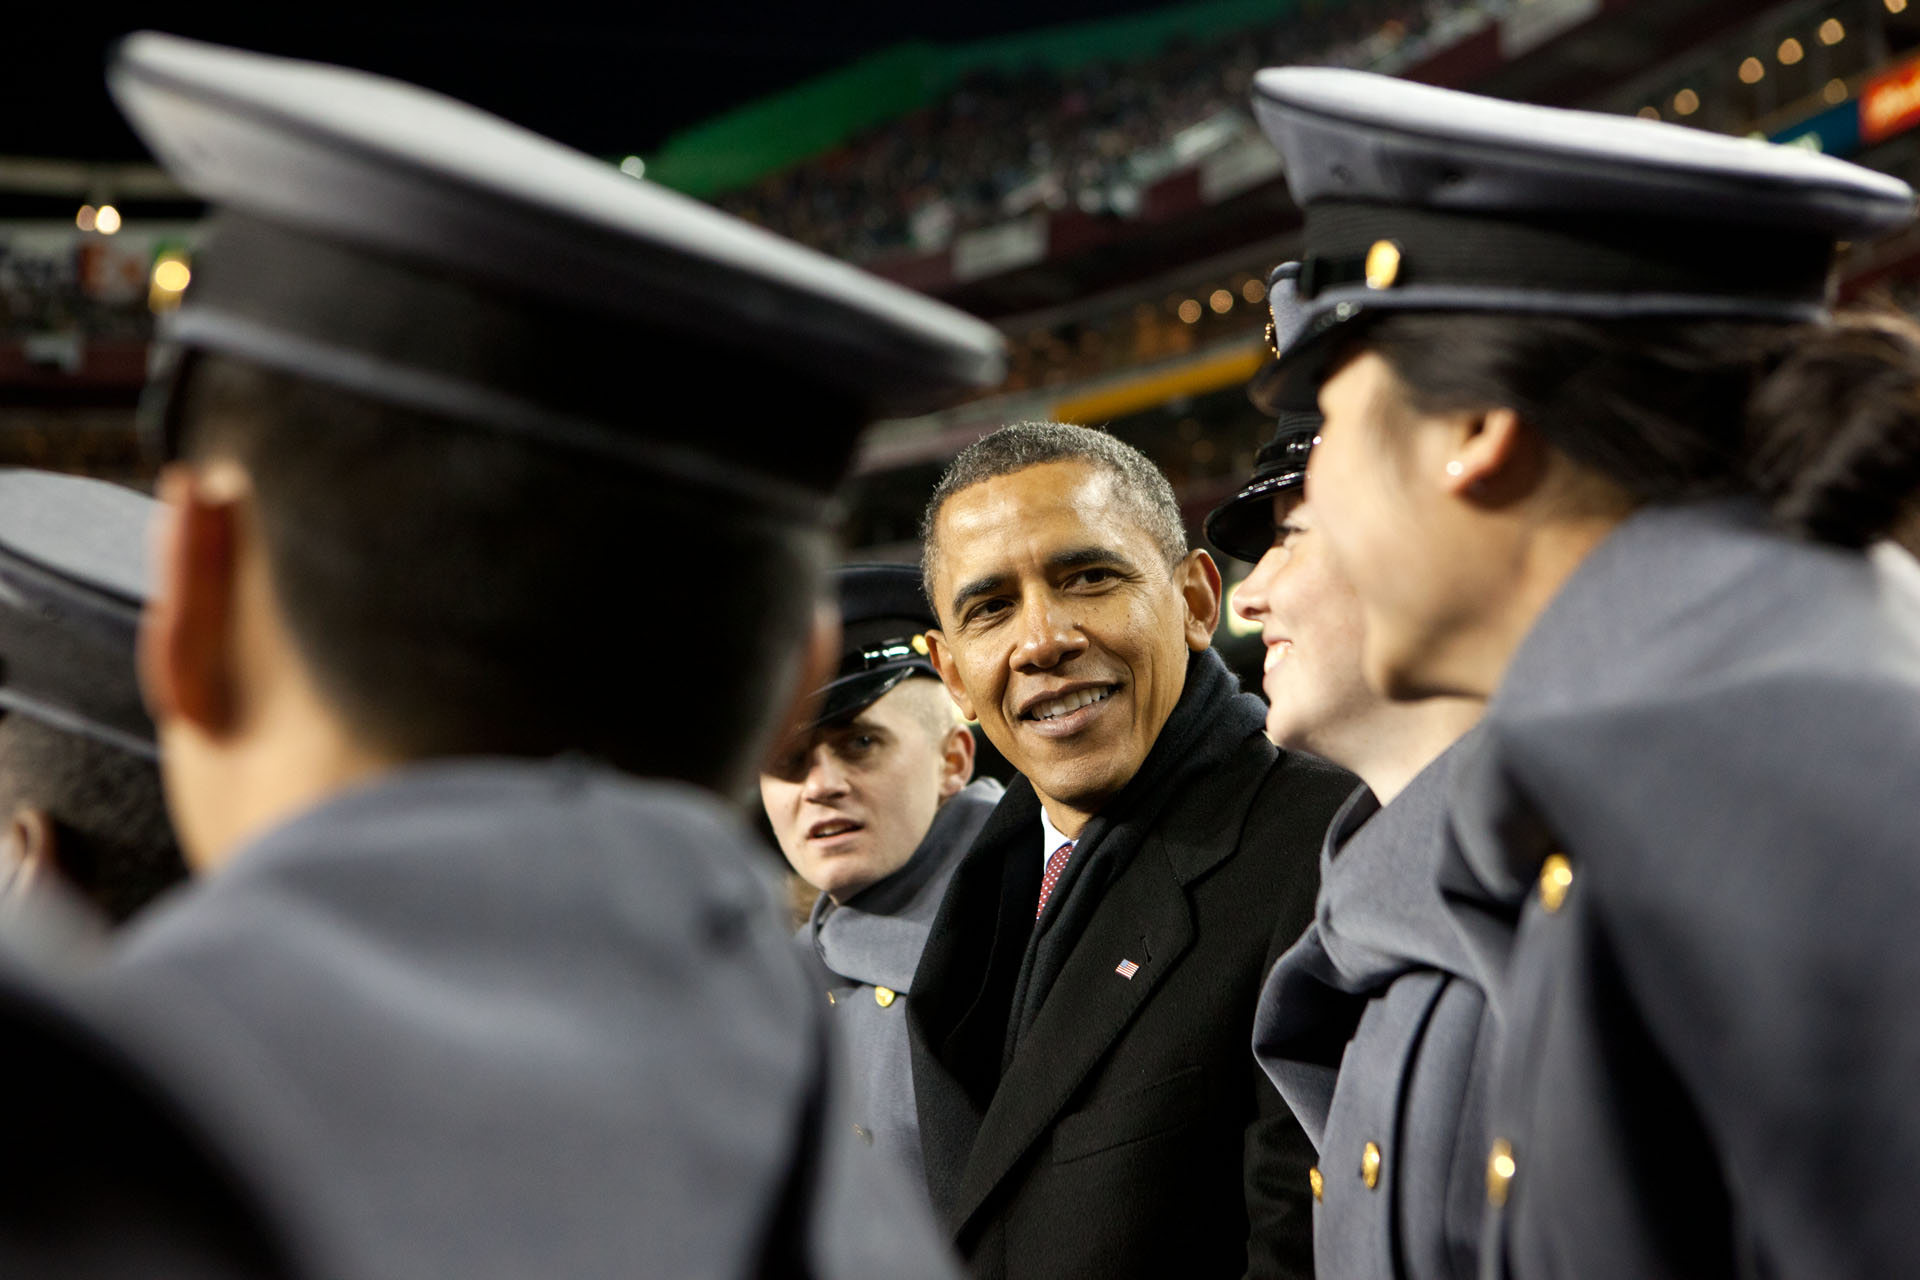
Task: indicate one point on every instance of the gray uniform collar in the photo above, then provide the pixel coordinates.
(1644, 581)
(1378, 914)
(876, 936)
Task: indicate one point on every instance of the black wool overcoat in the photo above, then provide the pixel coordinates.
(1129, 1132)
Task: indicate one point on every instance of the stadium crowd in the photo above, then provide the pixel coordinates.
(1004, 143)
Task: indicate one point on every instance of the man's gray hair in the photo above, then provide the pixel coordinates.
(1137, 482)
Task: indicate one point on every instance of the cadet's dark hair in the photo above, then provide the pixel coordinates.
(459, 592)
(1820, 421)
(113, 842)
(1138, 483)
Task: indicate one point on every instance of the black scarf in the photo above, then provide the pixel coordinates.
(1208, 724)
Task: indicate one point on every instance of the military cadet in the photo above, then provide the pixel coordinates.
(1081, 1016)
(873, 805)
(471, 904)
(79, 784)
(1377, 1006)
(1596, 448)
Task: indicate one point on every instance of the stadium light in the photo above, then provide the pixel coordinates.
(1752, 71)
(1831, 32)
(1791, 51)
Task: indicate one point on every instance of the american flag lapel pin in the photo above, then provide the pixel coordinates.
(1126, 969)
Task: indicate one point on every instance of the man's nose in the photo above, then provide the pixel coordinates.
(1049, 634)
(825, 778)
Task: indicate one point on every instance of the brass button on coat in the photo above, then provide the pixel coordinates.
(830, 999)
(1556, 877)
(1500, 1171)
(1317, 1183)
(1370, 1165)
(883, 996)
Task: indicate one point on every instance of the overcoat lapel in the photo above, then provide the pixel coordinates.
(956, 1021)
(1145, 917)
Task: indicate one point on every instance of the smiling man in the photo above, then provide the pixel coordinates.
(871, 804)
(1088, 1104)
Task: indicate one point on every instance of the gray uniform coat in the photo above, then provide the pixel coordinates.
(868, 948)
(530, 1019)
(1687, 858)
(1371, 1027)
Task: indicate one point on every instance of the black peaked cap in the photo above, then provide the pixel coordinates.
(1243, 526)
(395, 243)
(1425, 199)
(73, 576)
(884, 618)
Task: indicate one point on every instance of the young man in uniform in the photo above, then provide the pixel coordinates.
(79, 785)
(472, 904)
(872, 804)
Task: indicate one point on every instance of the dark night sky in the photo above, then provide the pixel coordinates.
(603, 79)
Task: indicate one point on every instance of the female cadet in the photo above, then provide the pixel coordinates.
(1380, 989)
(1595, 448)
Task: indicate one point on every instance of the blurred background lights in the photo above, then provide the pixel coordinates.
(1752, 71)
(1221, 302)
(85, 218)
(1253, 291)
(1649, 113)
(169, 280)
(1896, 6)
(106, 220)
(634, 167)
(1686, 102)
(1190, 311)
(1831, 32)
(1835, 93)
(1791, 52)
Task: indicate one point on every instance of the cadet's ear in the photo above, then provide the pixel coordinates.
(28, 851)
(1496, 459)
(1198, 578)
(943, 666)
(187, 648)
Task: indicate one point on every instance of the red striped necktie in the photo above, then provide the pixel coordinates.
(1056, 863)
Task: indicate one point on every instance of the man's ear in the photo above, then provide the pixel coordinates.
(1198, 578)
(943, 666)
(188, 649)
(29, 850)
(817, 665)
(956, 761)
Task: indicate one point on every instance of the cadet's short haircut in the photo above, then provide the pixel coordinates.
(459, 592)
(929, 703)
(112, 839)
(1137, 482)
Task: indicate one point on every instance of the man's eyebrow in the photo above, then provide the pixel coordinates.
(1081, 557)
(978, 587)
